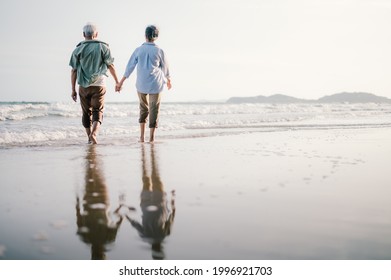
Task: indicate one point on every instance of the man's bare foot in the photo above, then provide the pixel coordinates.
(141, 140)
(88, 131)
(94, 132)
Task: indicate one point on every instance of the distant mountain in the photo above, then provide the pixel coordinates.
(354, 97)
(344, 97)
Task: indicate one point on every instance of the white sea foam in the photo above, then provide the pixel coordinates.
(46, 123)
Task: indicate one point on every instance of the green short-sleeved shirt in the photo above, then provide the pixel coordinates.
(91, 59)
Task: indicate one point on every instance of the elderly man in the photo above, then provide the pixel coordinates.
(90, 61)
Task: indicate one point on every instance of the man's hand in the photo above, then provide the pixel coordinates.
(168, 84)
(73, 83)
(74, 96)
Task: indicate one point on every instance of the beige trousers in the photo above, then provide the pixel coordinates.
(149, 106)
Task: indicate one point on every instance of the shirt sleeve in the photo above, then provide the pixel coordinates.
(74, 61)
(131, 64)
(106, 55)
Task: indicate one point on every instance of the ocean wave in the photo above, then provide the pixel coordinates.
(121, 135)
(17, 138)
(44, 123)
(36, 136)
(25, 111)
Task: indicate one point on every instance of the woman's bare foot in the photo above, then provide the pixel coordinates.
(152, 135)
(142, 130)
(92, 139)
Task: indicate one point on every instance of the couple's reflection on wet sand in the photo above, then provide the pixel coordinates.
(97, 227)
(157, 219)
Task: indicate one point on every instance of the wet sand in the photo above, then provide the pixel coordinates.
(305, 194)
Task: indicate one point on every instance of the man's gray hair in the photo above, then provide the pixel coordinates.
(90, 30)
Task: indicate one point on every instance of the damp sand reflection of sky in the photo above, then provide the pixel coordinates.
(285, 195)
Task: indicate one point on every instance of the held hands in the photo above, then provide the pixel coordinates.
(169, 84)
(118, 87)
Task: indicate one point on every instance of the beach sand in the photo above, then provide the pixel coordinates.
(293, 194)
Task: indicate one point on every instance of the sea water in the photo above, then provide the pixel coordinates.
(42, 124)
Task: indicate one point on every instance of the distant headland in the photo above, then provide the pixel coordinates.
(343, 97)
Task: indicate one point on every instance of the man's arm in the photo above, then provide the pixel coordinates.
(73, 82)
(114, 74)
(136, 225)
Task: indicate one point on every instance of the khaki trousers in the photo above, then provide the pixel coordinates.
(149, 106)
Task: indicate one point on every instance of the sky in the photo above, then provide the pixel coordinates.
(216, 49)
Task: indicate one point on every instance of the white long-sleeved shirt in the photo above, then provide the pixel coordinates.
(152, 68)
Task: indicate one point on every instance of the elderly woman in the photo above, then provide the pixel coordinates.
(152, 74)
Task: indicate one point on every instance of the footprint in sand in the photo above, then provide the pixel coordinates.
(40, 236)
(60, 224)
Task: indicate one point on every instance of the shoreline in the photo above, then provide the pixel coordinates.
(105, 139)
